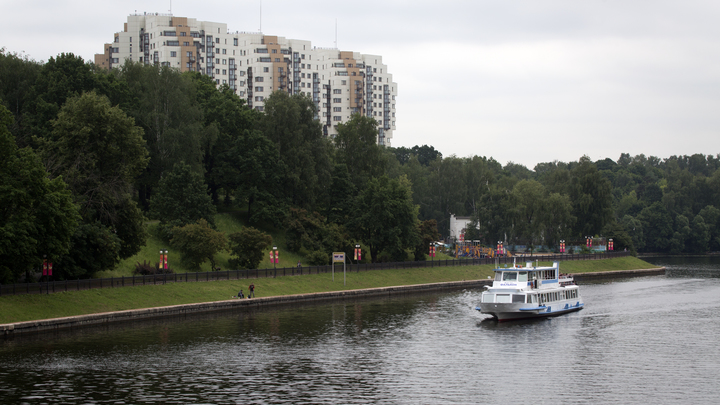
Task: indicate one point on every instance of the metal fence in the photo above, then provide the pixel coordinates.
(115, 282)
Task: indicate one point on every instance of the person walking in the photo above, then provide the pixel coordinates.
(252, 291)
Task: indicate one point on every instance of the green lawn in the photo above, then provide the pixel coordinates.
(33, 307)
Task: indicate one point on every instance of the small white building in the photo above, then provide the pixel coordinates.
(458, 226)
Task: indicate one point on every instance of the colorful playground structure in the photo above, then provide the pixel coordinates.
(474, 249)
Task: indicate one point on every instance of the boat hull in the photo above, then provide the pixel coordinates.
(509, 312)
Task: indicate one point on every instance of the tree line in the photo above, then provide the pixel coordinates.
(88, 155)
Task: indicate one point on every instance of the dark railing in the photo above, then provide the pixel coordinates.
(115, 282)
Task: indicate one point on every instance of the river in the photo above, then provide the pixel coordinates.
(638, 341)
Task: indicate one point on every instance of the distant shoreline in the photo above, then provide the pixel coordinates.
(49, 325)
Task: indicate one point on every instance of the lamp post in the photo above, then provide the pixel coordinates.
(432, 254)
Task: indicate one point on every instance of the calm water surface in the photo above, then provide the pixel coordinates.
(643, 340)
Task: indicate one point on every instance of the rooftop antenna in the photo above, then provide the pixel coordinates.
(260, 15)
(170, 7)
(336, 33)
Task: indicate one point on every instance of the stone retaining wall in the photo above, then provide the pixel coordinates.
(254, 303)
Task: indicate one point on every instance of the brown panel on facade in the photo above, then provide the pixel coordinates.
(178, 22)
(279, 71)
(125, 25)
(103, 59)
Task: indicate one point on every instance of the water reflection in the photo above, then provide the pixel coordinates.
(637, 341)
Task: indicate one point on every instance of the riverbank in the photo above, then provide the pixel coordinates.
(32, 313)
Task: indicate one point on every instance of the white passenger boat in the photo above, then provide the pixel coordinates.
(530, 292)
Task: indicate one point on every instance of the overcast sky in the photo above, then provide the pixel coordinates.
(522, 81)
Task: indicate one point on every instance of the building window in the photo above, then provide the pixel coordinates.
(274, 51)
(186, 43)
(235, 43)
(217, 40)
(224, 51)
(173, 54)
(259, 88)
(259, 79)
(337, 109)
(217, 71)
(343, 82)
(337, 118)
(224, 71)
(266, 69)
(337, 91)
(337, 100)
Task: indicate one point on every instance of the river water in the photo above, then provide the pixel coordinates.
(638, 341)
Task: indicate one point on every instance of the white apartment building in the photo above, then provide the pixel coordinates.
(254, 65)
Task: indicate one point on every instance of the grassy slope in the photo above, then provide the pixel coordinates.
(33, 307)
(227, 222)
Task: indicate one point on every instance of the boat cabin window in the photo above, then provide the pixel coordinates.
(510, 276)
(502, 298)
(518, 298)
(498, 276)
(523, 276)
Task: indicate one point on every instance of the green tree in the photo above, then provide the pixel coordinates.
(252, 167)
(166, 107)
(341, 196)
(358, 149)
(17, 76)
(634, 228)
(385, 217)
(100, 151)
(699, 238)
(711, 217)
(181, 199)
(248, 246)
(657, 226)
(37, 215)
(591, 195)
(529, 205)
(621, 238)
(290, 124)
(198, 242)
(60, 78)
(557, 218)
(428, 233)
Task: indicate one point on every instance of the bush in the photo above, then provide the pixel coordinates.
(318, 258)
(248, 246)
(198, 243)
(147, 269)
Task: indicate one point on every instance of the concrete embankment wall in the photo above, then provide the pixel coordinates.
(255, 303)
